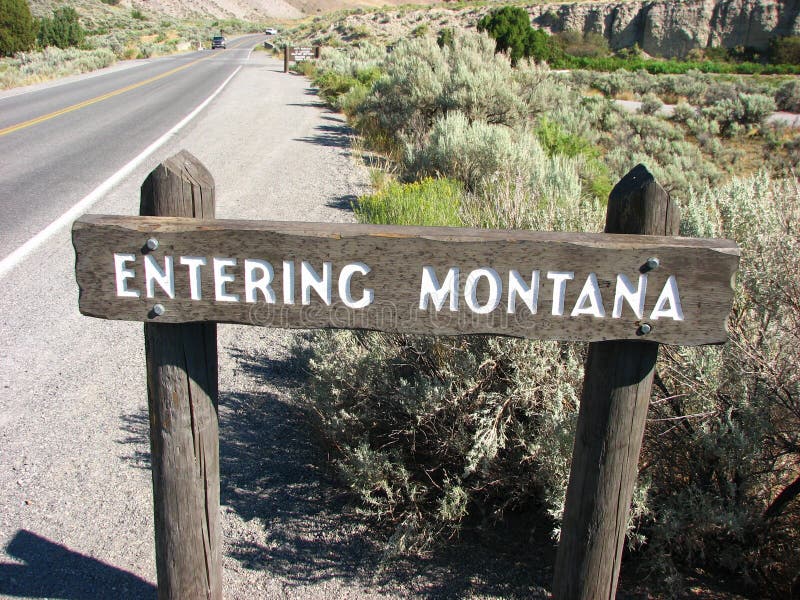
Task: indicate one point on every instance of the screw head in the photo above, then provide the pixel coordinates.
(159, 310)
(152, 244)
(652, 263)
(645, 328)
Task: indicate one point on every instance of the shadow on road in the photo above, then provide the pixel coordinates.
(344, 203)
(136, 430)
(308, 104)
(332, 136)
(273, 469)
(54, 571)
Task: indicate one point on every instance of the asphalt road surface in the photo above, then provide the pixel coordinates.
(59, 143)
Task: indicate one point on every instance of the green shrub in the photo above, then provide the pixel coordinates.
(446, 37)
(433, 430)
(651, 104)
(138, 15)
(542, 48)
(683, 112)
(510, 26)
(431, 433)
(746, 109)
(422, 82)
(785, 50)
(788, 96)
(146, 51)
(332, 85)
(26, 68)
(555, 140)
(62, 30)
(306, 68)
(17, 27)
(420, 30)
(425, 202)
(473, 152)
(672, 66)
(723, 449)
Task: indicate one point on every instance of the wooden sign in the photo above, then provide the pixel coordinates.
(303, 53)
(298, 54)
(557, 286)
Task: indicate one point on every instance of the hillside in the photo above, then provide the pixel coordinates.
(663, 28)
(253, 10)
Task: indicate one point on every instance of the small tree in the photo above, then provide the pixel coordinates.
(17, 27)
(510, 26)
(542, 47)
(446, 37)
(63, 30)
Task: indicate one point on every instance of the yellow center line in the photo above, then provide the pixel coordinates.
(97, 99)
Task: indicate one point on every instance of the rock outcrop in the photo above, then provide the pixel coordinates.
(673, 28)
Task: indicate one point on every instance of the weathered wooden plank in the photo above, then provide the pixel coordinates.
(613, 410)
(182, 386)
(396, 258)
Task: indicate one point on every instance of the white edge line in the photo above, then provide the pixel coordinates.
(21, 253)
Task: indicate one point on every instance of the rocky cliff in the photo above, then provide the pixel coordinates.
(673, 28)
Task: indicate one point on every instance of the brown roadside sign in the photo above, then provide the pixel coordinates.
(432, 280)
(299, 54)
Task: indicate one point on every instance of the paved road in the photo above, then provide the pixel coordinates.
(75, 489)
(60, 142)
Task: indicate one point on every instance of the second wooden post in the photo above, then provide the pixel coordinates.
(613, 410)
(182, 398)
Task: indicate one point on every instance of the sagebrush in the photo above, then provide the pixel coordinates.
(433, 433)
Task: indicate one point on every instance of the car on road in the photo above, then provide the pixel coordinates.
(217, 42)
(271, 31)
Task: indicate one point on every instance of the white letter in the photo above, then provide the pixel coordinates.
(430, 288)
(221, 278)
(344, 286)
(560, 279)
(122, 274)
(288, 282)
(153, 274)
(635, 297)
(322, 285)
(471, 289)
(590, 293)
(252, 285)
(518, 287)
(668, 295)
(194, 263)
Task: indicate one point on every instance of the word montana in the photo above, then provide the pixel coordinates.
(482, 290)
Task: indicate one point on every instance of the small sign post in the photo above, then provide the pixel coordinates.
(626, 291)
(298, 54)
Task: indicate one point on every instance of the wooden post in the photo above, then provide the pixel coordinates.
(613, 410)
(286, 59)
(182, 397)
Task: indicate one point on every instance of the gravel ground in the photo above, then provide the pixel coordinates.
(76, 510)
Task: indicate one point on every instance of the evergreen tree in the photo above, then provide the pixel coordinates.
(17, 27)
(62, 30)
(510, 26)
